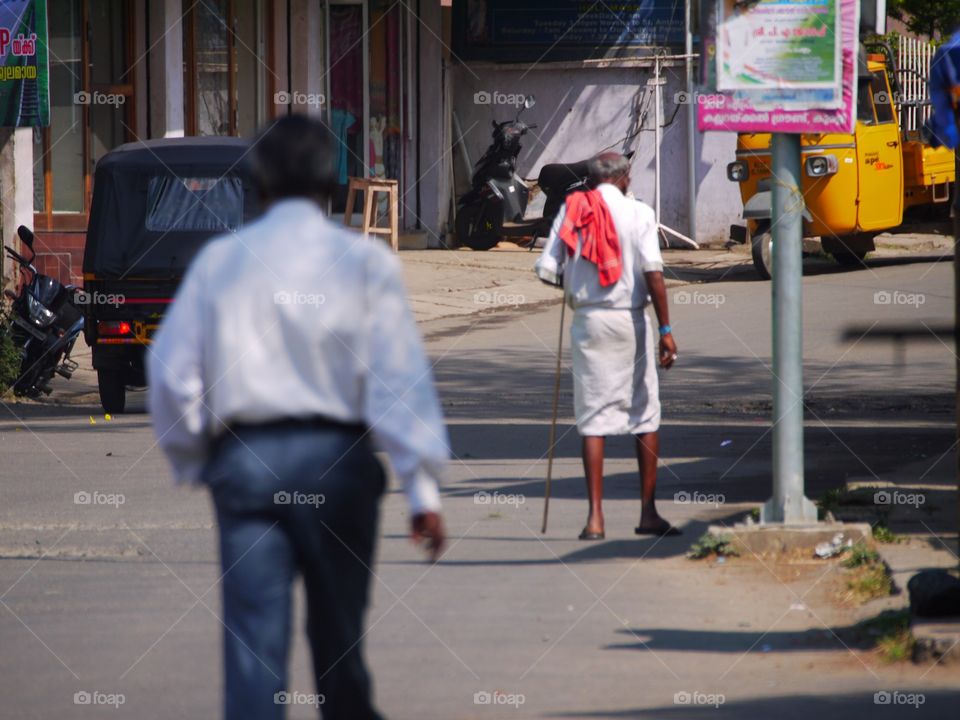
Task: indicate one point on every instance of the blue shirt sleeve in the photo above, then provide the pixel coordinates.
(944, 82)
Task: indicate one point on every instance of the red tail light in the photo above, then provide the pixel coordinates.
(114, 328)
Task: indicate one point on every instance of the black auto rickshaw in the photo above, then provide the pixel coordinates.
(155, 203)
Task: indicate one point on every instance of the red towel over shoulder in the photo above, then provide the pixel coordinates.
(588, 214)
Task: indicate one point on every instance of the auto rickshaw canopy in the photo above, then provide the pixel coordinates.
(156, 202)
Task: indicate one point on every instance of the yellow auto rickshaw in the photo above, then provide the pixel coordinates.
(855, 186)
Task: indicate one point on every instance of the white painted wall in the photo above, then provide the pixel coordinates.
(582, 110)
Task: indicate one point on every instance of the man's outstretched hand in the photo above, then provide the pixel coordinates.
(668, 351)
(427, 529)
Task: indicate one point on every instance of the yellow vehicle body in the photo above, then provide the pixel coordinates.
(879, 171)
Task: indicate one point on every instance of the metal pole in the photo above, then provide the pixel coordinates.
(691, 128)
(656, 136)
(956, 326)
(788, 504)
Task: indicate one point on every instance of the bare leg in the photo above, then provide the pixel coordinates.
(593, 469)
(648, 453)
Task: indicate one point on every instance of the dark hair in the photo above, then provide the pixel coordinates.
(294, 156)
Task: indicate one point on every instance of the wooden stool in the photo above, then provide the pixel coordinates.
(370, 187)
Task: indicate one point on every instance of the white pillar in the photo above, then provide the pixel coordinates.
(16, 191)
(166, 68)
(307, 54)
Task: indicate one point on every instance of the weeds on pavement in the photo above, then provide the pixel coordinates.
(868, 577)
(710, 544)
(889, 633)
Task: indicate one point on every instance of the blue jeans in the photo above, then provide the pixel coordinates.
(295, 497)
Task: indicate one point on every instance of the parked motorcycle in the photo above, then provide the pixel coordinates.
(45, 324)
(495, 206)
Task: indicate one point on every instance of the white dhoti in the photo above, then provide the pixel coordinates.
(615, 385)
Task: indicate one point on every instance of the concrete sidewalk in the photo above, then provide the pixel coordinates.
(456, 283)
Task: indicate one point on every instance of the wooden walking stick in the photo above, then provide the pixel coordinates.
(553, 422)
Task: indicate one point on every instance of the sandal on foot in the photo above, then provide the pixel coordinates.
(584, 535)
(664, 530)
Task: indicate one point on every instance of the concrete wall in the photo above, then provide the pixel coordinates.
(581, 110)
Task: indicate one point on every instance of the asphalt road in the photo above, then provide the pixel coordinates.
(119, 597)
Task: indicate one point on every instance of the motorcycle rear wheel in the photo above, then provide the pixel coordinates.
(471, 234)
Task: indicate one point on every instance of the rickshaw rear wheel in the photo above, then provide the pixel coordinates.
(113, 391)
(850, 259)
(761, 249)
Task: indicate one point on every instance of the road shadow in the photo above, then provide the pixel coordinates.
(813, 265)
(878, 704)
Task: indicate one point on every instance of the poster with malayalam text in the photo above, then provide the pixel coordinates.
(24, 75)
(776, 104)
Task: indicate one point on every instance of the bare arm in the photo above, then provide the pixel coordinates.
(658, 294)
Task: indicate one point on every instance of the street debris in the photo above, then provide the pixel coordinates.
(833, 548)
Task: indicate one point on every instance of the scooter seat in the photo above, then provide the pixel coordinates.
(560, 175)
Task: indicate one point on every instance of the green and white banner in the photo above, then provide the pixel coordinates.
(24, 64)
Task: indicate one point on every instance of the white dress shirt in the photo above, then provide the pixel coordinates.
(295, 317)
(640, 252)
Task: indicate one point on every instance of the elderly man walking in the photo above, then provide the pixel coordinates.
(287, 357)
(604, 250)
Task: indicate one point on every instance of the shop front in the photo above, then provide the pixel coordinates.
(124, 70)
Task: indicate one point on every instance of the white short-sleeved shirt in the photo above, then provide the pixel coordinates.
(639, 246)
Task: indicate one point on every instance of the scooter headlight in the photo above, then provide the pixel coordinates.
(38, 313)
(822, 165)
(738, 171)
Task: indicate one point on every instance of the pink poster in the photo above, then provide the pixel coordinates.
(786, 111)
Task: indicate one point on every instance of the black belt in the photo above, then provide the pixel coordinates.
(312, 422)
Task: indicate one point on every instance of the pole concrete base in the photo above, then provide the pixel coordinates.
(790, 511)
(761, 540)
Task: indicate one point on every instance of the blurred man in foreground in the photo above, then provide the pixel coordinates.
(287, 357)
